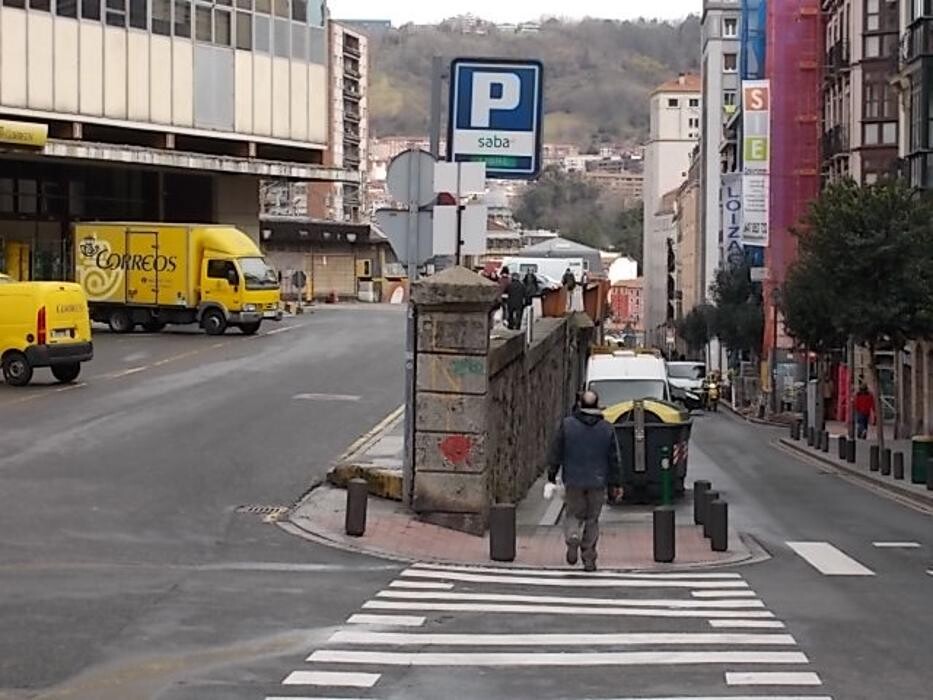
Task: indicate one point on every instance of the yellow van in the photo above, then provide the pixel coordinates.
(43, 324)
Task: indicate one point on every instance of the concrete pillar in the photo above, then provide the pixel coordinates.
(452, 477)
(236, 202)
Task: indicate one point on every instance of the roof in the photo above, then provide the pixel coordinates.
(682, 83)
(560, 248)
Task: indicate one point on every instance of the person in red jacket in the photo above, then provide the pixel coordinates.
(864, 407)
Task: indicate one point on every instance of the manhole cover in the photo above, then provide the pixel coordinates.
(270, 514)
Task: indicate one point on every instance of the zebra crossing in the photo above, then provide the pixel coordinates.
(488, 632)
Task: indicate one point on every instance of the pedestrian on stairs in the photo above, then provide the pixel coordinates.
(586, 455)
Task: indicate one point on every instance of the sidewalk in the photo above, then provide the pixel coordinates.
(393, 532)
(915, 493)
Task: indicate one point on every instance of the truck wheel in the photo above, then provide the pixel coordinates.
(120, 321)
(214, 322)
(16, 369)
(250, 328)
(154, 326)
(66, 374)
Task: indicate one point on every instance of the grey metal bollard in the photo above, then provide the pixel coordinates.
(502, 532)
(707, 500)
(886, 462)
(719, 525)
(699, 493)
(357, 499)
(843, 447)
(665, 546)
(899, 466)
(851, 455)
(874, 458)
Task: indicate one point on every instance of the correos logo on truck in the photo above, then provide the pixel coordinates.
(105, 259)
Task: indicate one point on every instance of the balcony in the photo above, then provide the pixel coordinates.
(351, 112)
(351, 93)
(352, 136)
(351, 46)
(917, 42)
(352, 69)
(838, 59)
(835, 143)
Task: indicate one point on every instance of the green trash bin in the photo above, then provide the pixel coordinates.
(921, 454)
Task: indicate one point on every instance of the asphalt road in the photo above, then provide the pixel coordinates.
(125, 571)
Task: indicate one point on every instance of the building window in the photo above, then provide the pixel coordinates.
(183, 18)
(138, 18)
(66, 8)
(223, 31)
(729, 98)
(162, 17)
(299, 41)
(281, 8)
(261, 35)
(872, 101)
(264, 6)
(43, 5)
(116, 13)
(21, 4)
(730, 62)
(730, 28)
(244, 30)
(872, 134)
(202, 24)
(922, 8)
(300, 10)
(281, 38)
(873, 15)
(872, 46)
(90, 9)
(694, 101)
(673, 102)
(694, 123)
(889, 133)
(916, 116)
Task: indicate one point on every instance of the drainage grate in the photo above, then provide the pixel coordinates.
(270, 514)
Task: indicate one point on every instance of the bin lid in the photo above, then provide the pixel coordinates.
(668, 413)
(922, 438)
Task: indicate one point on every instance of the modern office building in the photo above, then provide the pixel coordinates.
(153, 110)
(675, 116)
(721, 82)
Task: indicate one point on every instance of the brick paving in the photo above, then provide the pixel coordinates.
(395, 533)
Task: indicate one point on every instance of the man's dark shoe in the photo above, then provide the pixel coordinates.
(589, 566)
(573, 552)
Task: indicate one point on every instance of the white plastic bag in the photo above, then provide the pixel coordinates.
(549, 490)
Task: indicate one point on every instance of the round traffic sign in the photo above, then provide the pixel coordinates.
(299, 279)
(416, 165)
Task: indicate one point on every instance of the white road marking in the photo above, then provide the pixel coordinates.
(333, 679)
(387, 620)
(547, 640)
(724, 594)
(498, 659)
(325, 397)
(725, 697)
(897, 545)
(828, 560)
(426, 585)
(574, 582)
(277, 331)
(747, 624)
(562, 610)
(126, 372)
(557, 573)
(773, 679)
(573, 600)
(70, 387)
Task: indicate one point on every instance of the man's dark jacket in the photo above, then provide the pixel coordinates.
(586, 452)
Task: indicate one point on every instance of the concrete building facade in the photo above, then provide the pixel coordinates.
(153, 110)
(675, 114)
(689, 249)
(721, 83)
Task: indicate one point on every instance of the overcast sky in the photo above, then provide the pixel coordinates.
(427, 11)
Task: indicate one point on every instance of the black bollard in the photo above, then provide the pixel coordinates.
(502, 532)
(825, 443)
(929, 476)
(851, 446)
(357, 498)
(842, 446)
(699, 493)
(874, 458)
(801, 430)
(719, 525)
(899, 466)
(665, 547)
(811, 437)
(795, 431)
(707, 500)
(886, 462)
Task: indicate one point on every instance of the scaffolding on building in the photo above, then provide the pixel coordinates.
(754, 39)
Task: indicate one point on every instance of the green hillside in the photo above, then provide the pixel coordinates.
(598, 73)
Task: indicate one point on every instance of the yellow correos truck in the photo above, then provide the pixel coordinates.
(43, 324)
(157, 274)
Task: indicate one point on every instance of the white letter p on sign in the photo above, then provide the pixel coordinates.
(508, 97)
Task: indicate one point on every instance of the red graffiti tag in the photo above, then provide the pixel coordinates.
(457, 448)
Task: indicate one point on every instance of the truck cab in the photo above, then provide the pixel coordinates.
(237, 291)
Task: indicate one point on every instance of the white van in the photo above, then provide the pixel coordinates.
(552, 268)
(627, 375)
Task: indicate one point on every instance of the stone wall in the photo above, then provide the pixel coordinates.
(485, 409)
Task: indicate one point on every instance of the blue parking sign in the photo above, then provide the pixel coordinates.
(496, 110)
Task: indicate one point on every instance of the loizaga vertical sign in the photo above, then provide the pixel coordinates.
(496, 115)
(732, 220)
(756, 159)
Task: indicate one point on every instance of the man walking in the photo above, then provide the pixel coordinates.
(587, 455)
(864, 407)
(569, 283)
(515, 302)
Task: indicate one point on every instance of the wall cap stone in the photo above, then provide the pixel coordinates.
(455, 285)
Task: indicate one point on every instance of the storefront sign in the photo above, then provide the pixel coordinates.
(756, 158)
(732, 219)
(23, 134)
